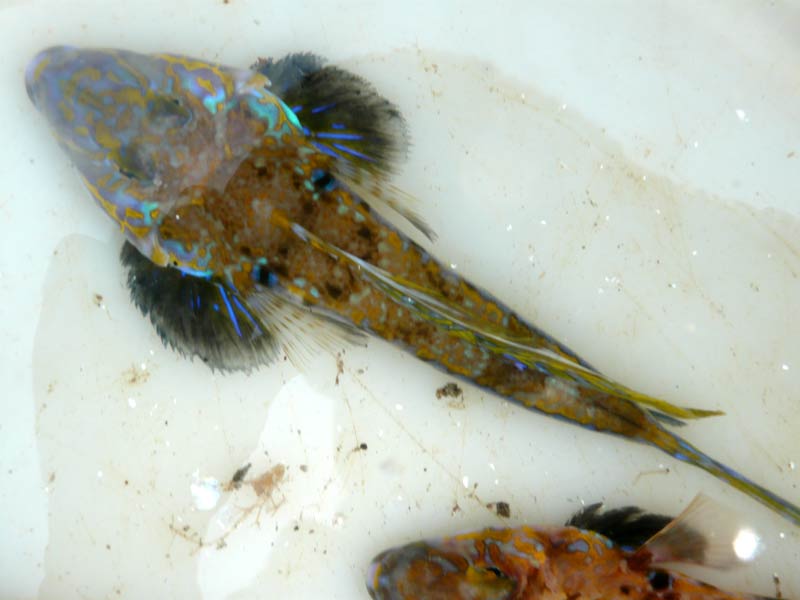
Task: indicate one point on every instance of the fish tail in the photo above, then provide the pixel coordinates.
(682, 450)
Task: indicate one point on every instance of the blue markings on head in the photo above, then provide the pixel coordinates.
(267, 112)
(578, 546)
(290, 114)
(211, 101)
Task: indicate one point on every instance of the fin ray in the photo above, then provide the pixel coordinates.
(705, 534)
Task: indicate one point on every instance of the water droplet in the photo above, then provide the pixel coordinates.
(398, 406)
(453, 266)
(782, 535)
(792, 465)
(508, 227)
(742, 115)
(132, 402)
(784, 367)
(99, 474)
(465, 481)
(491, 466)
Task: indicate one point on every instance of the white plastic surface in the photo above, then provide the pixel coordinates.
(624, 174)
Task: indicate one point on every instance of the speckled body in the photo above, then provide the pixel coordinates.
(209, 173)
(529, 563)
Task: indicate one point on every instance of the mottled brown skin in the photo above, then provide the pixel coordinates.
(261, 231)
(530, 563)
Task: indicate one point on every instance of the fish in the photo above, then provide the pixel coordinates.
(261, 220)
(616, 554)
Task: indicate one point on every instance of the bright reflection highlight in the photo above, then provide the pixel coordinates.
(747, 544)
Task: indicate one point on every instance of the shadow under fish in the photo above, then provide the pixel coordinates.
(253, 203)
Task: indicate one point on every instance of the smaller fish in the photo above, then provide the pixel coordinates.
(609, 555)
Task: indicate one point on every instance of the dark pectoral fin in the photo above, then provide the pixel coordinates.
(342, 112)
(346, 118)
(288, 72)
(198, 317)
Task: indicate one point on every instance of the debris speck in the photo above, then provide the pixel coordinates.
(502, 509)
(238, 477)
(339, 366)
(452, 391)
(136, 374)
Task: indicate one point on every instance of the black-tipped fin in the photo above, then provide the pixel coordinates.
(347, 119)
(628, 527)
(206, 318)
(198, 317)
(707, 534)
(341, 112)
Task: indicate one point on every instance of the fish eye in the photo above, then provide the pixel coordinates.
(496, 572)
(168, 109)
(134, 164)
(660, 580)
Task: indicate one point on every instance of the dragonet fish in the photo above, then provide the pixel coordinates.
(613, 555)
(256, 206)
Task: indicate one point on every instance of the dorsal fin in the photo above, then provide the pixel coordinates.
(628, 527)
(706, 534)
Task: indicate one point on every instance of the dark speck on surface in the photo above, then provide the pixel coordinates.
(449, 390)
(501, 508)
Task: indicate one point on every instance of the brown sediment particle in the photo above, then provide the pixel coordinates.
(449, 390)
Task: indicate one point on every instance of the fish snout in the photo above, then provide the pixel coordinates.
(40, 72)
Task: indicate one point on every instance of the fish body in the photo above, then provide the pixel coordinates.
(252, 218)
(553, 563)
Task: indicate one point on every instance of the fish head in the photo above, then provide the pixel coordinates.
(142, 129)
(447, 569)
